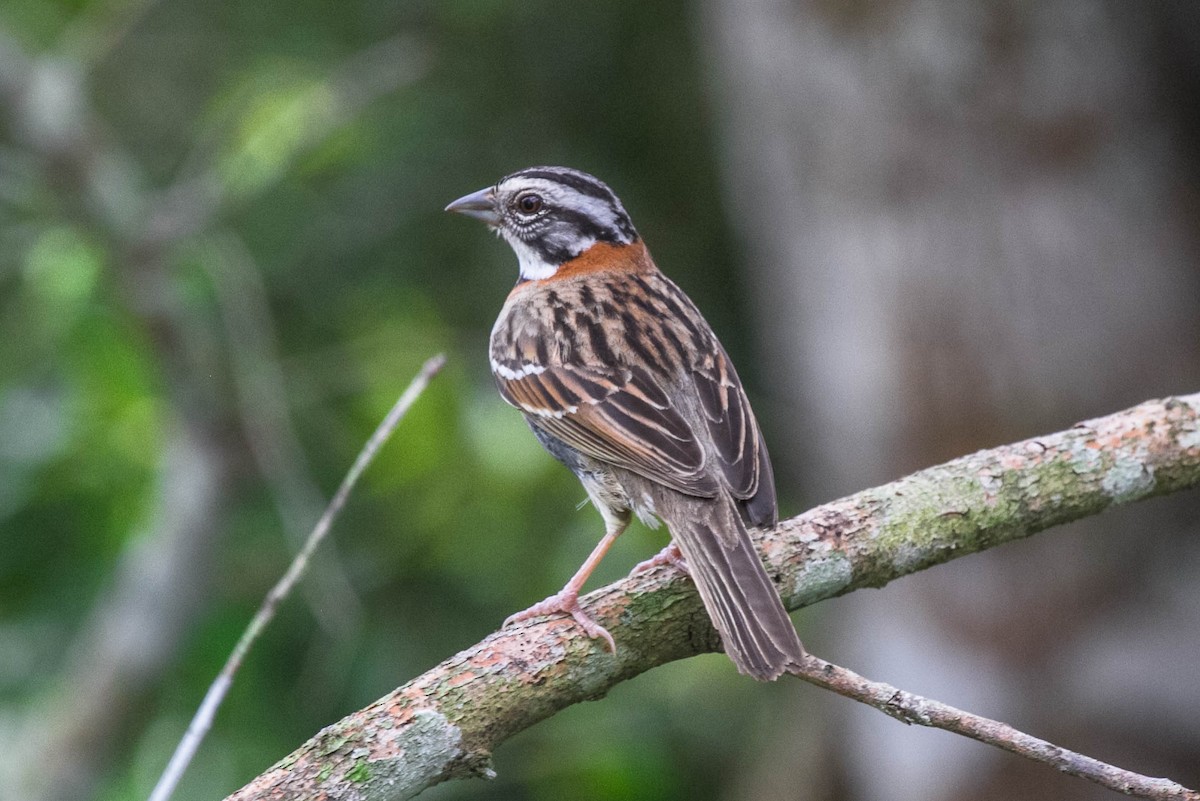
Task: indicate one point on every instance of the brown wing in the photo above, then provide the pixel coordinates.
(619, 415)
(741, 451)
(629, 372)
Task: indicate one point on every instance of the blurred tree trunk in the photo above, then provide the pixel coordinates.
(136, 628)
(966, 222)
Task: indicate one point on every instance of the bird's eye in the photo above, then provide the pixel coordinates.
(530, 203)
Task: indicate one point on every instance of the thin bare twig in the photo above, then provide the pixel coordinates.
(914, 709)
(45, 101)
(202, 721)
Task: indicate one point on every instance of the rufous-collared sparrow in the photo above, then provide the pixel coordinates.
(624, 382)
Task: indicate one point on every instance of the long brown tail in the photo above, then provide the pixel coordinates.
(737, 592)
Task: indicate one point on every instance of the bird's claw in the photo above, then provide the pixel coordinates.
(670, 555)
(569, 603)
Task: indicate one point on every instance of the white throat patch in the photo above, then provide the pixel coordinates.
(532, 266)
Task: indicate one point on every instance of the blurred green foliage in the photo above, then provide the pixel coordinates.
(329, 161)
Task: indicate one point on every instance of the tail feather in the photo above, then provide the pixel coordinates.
(740, 598)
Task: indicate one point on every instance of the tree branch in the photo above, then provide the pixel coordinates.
(445, 723)
(913, 709)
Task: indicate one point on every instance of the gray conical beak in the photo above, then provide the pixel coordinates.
(480, 205)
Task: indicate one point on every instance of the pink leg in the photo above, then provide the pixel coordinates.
(567, 599)
(667, 556)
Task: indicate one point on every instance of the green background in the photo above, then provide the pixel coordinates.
(919, 228)
(332, 204)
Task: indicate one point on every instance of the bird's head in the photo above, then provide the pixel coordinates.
(549, 215)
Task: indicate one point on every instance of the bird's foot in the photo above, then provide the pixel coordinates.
(667, 556)
(566, 601)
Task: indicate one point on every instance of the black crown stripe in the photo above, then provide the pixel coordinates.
(580, 182)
